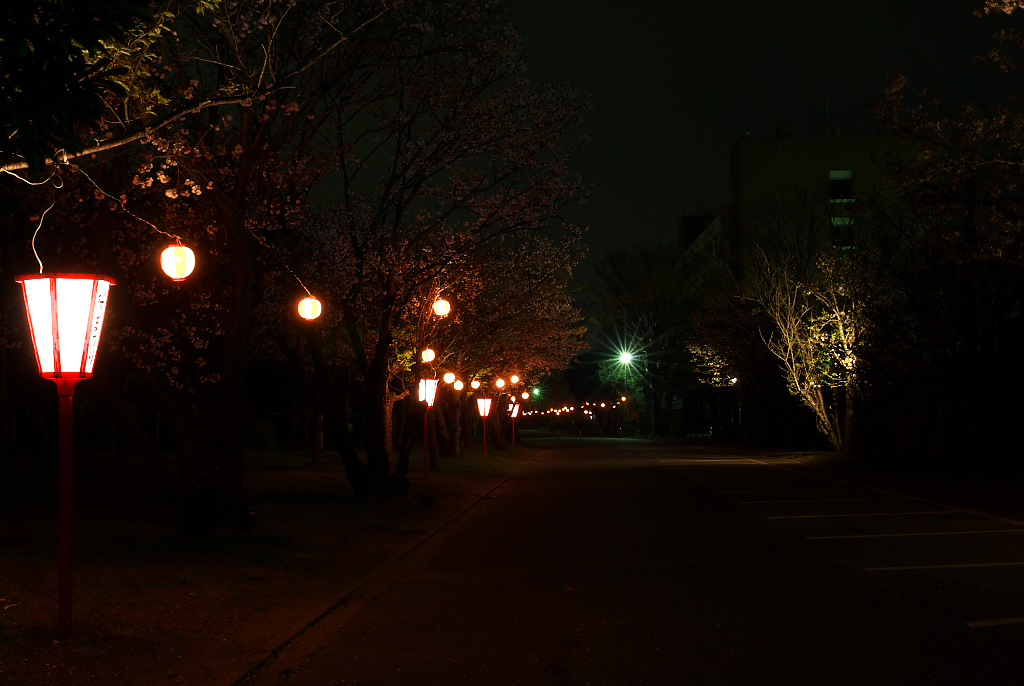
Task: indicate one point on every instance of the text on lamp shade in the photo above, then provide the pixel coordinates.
(65, 314)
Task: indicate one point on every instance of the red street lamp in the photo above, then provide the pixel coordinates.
(428, 389)
(65, 316)
(514, 409)
(483, 405)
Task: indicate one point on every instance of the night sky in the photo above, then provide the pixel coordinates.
(676, 83)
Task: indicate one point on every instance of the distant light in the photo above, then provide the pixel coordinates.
(734, 380)
(177, 261)
(428, 389)
(449, 377)
(442, 307)
(623, 398)
(536, 391)
(526, 395)
(427, 355)
(483, 406)
(602, 404)
(475, 384)
(309, 308)
(626, 358)
(514, 379)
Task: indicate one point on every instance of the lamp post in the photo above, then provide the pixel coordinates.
(65, 316)
(483, 405)
(428, 390)
(513, 410)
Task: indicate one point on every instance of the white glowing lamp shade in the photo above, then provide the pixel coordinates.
(427, 355)
(310, 308)
(65, 315)
(458, 385)
(500, 383)
(526, 395)
(449, 378)
(442, 307)
(177, 261)
(514, 379)
(475, 384)
(515, 410)
(428, 391)
(483, 405)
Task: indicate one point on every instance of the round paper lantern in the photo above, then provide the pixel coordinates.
(427, 355)
(500, 383)
(309, 308)
(475, 384)
(458, 386)
(449, 377)
(177, 261)
(442, 307)
(514, 379)
(526, 395)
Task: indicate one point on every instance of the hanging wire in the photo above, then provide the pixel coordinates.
(121, 203)
(61, 158)
(34, 252)
(262, 241)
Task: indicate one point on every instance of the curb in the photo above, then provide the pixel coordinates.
(275, 645)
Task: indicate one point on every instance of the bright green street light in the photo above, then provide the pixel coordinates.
(626, 358)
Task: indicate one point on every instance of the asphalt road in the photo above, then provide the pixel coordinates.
(625, 562)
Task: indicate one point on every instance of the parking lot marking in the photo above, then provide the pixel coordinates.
(757, 483)
(986, 515)
(929, 533)
(837, 500)
(866, 514)
(796, 490)
(981, 564)
(996, 622)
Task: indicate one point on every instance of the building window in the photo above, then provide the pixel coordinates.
(840, 186)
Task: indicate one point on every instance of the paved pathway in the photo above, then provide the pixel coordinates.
(626, 562)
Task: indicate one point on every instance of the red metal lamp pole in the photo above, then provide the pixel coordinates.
(65, 393)
(428, 391)
(484, 407)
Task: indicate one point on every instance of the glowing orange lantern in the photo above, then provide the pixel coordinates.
(427, 355)
(458, 386)
(500, 383)
(442, 307)
(514, 379)
(449, 377)
(474, 384)
(526, 395)
(177, 261)
(309, 308)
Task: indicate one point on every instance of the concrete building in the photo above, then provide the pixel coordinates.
(789, 189)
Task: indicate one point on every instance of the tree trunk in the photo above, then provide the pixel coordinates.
(335, 419)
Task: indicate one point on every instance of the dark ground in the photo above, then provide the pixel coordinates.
(629, 562)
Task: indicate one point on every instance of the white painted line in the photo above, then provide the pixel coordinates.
(983, 564)
(758, 483)
(930, 533)
(867, 514)
(996, 622)
(797, 490)
(843, 500)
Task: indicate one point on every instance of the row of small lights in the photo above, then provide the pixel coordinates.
(559, 411)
